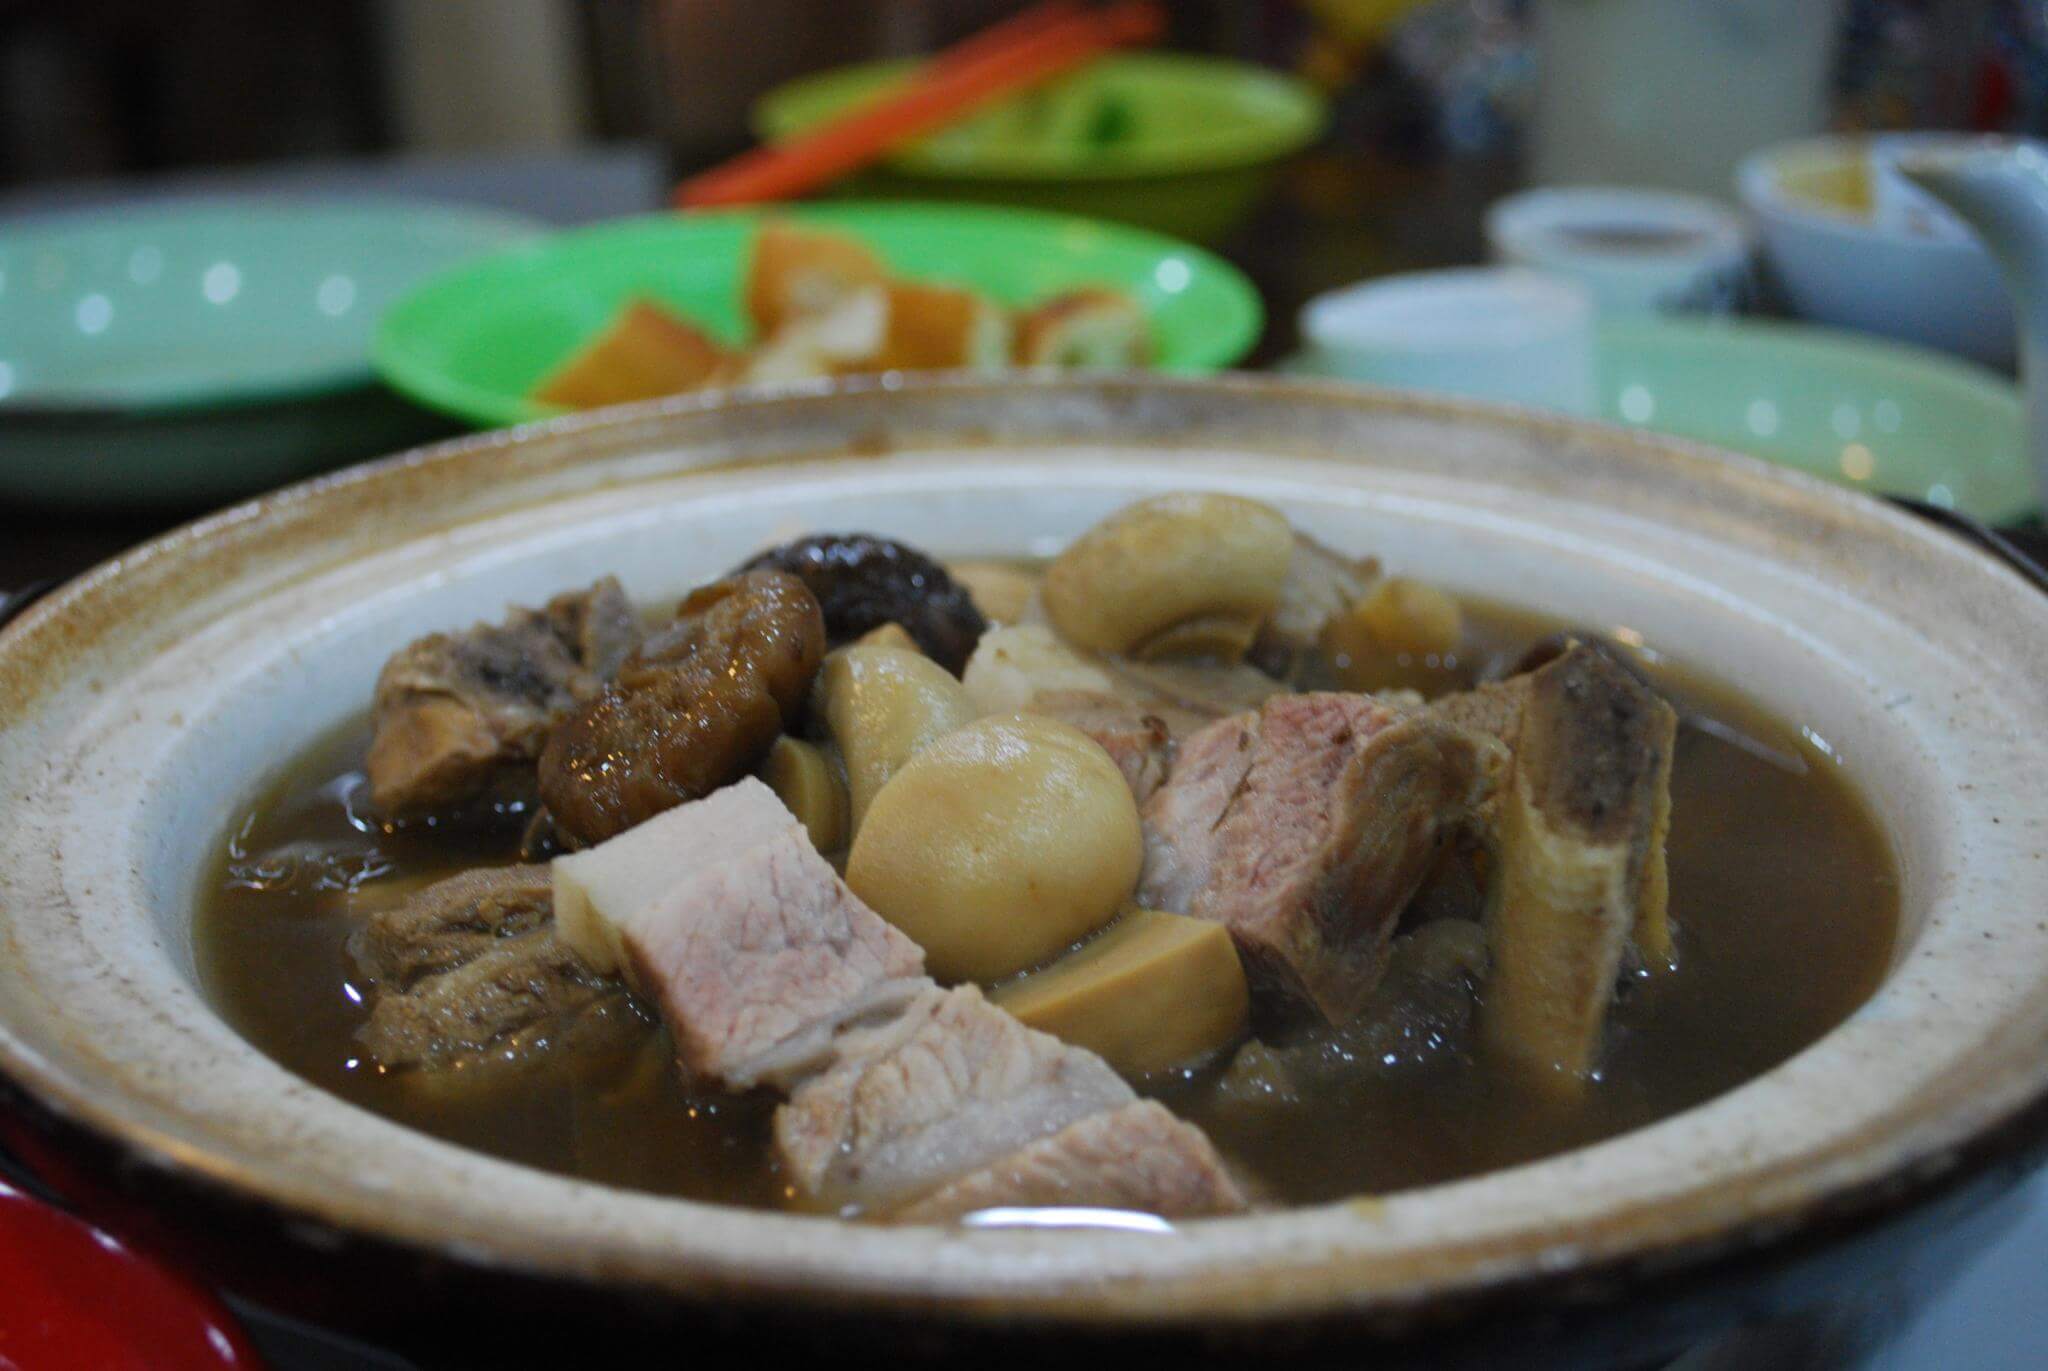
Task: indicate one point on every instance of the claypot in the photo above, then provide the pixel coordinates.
(144, 705)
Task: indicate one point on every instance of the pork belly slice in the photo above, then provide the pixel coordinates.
(1578, 833)
(458, 716)
(949, 1086)
(721, 913)
(467, 979)
(1304, 828)
(1138, 1157)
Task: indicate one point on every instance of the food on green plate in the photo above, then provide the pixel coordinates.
(1090, 329)
(820, 304)
(1203, 866)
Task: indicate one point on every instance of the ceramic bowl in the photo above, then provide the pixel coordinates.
(145, 704)
(1839, 261)
(1167, 141)
(187, 353)
(1864, 412)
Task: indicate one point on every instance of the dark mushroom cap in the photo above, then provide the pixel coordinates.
(863, 582)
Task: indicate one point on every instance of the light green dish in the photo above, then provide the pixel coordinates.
(213, 303)
(1166, 141)
(186, 354)
(1884, 417)
(475, 343)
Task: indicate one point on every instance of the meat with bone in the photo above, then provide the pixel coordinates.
(1138, 1157)
(1578, 832)
(458, 714)
(1304, 828)
(467, 977)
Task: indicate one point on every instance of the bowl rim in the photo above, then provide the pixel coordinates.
(492, 229)
(394, 346)
(2001, 1110)
(1972, 381)
(1757, 180)
(1296, 113)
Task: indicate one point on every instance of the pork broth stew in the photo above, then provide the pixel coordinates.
(1201, 869)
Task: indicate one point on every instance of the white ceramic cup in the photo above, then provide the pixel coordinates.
(1635, 251)
(1494, 333)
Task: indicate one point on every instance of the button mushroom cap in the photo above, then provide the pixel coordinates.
(999, 845)
(1164, 562)
(694, 708)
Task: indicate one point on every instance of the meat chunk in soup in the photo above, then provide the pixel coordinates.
(1137, 741)
(1578, 832)
(769, 970)
(1423, 1009)
(948, 1086)
(1600, 702)
(723, 914)
(1321, 584)
(470, 982)
(459, 715)
(1138, 1157)
(1305, 828)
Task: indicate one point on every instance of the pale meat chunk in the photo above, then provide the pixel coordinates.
(1135, 740)
(467, 978)
(949, 1086)
(748, 941)
(458, 716)
(1304, 828)
(1139, 1157)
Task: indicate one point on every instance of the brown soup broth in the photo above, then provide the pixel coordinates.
(1783, 890)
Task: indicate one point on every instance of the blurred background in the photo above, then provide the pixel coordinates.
(1433, 102)
(1326, 146)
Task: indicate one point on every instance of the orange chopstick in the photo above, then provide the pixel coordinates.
(1033, 52)
(1004, 33)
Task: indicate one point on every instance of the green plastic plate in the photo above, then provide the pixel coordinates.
(1147, 114)
(474, 343)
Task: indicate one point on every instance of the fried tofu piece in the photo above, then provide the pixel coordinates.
(1092, 329)
(1578, 834)
(844, 338)
(646, 353)
(797, 273)
(943, 328)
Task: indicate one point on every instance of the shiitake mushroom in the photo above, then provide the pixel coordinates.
(698, 704)
(863, 582)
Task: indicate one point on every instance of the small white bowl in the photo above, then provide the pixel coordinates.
(1492, 333)
(1840, 261)
(1634, 251)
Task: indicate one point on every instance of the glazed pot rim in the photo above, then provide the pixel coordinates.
(1115, 1282)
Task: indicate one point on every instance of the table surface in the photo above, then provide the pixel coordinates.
(1330, 222)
